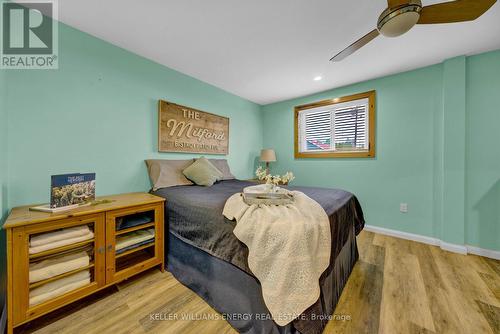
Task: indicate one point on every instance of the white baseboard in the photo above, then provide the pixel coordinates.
(403, 235)
(454, 248)
(492, 254)
(460, 249)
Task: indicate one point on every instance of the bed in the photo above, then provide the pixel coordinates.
(203, 254)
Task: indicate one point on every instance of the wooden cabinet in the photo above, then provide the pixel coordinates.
(112, 255)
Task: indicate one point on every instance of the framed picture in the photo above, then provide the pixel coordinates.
(184, 129)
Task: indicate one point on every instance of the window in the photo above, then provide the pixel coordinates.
(342, 128)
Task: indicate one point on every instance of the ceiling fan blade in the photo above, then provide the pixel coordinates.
(356, 45)
(454, 11)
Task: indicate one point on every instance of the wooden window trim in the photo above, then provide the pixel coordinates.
(370, 153)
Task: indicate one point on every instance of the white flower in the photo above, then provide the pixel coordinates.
(276, 179)
(288, 177)
(260, 173)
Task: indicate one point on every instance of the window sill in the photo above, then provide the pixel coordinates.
(317, 155)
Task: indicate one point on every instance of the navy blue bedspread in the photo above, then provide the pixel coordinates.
(194, 215)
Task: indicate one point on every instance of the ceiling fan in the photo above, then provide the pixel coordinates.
(402, 15)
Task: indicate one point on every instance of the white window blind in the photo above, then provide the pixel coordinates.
(318, 130)
(337, 127)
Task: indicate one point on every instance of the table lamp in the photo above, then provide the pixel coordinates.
(267, 155)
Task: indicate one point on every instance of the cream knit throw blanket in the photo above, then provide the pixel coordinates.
(289, 248)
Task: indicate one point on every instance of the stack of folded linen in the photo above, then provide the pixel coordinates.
(58, 265)
(59, 287)
(134, 239)
(46, 241)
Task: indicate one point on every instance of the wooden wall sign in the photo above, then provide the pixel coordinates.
(184, 129)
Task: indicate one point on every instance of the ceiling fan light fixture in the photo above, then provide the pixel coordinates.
(402, 15)
(396, 21)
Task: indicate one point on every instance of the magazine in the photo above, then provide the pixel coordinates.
(72, 189)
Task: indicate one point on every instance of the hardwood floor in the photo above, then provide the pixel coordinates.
(397, 286)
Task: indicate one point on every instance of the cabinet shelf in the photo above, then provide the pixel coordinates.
(133, 261)
(133, 250)
(135, 228)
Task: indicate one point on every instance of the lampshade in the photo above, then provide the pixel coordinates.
(267, 155)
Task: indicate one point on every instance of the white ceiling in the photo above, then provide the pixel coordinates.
(270, 50)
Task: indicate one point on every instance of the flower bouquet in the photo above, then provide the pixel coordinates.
(273, 180)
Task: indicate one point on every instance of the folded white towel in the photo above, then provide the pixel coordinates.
(135, 237)
(50, 237)
(59, 287)
(57, 266)
(60, 243)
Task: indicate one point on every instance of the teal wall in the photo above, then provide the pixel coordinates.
(483, 152)
(437, 150)
(436, 136)
(403, 168)
(98, 113)
(452, 229)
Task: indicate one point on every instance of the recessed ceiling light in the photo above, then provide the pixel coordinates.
(318, 78)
